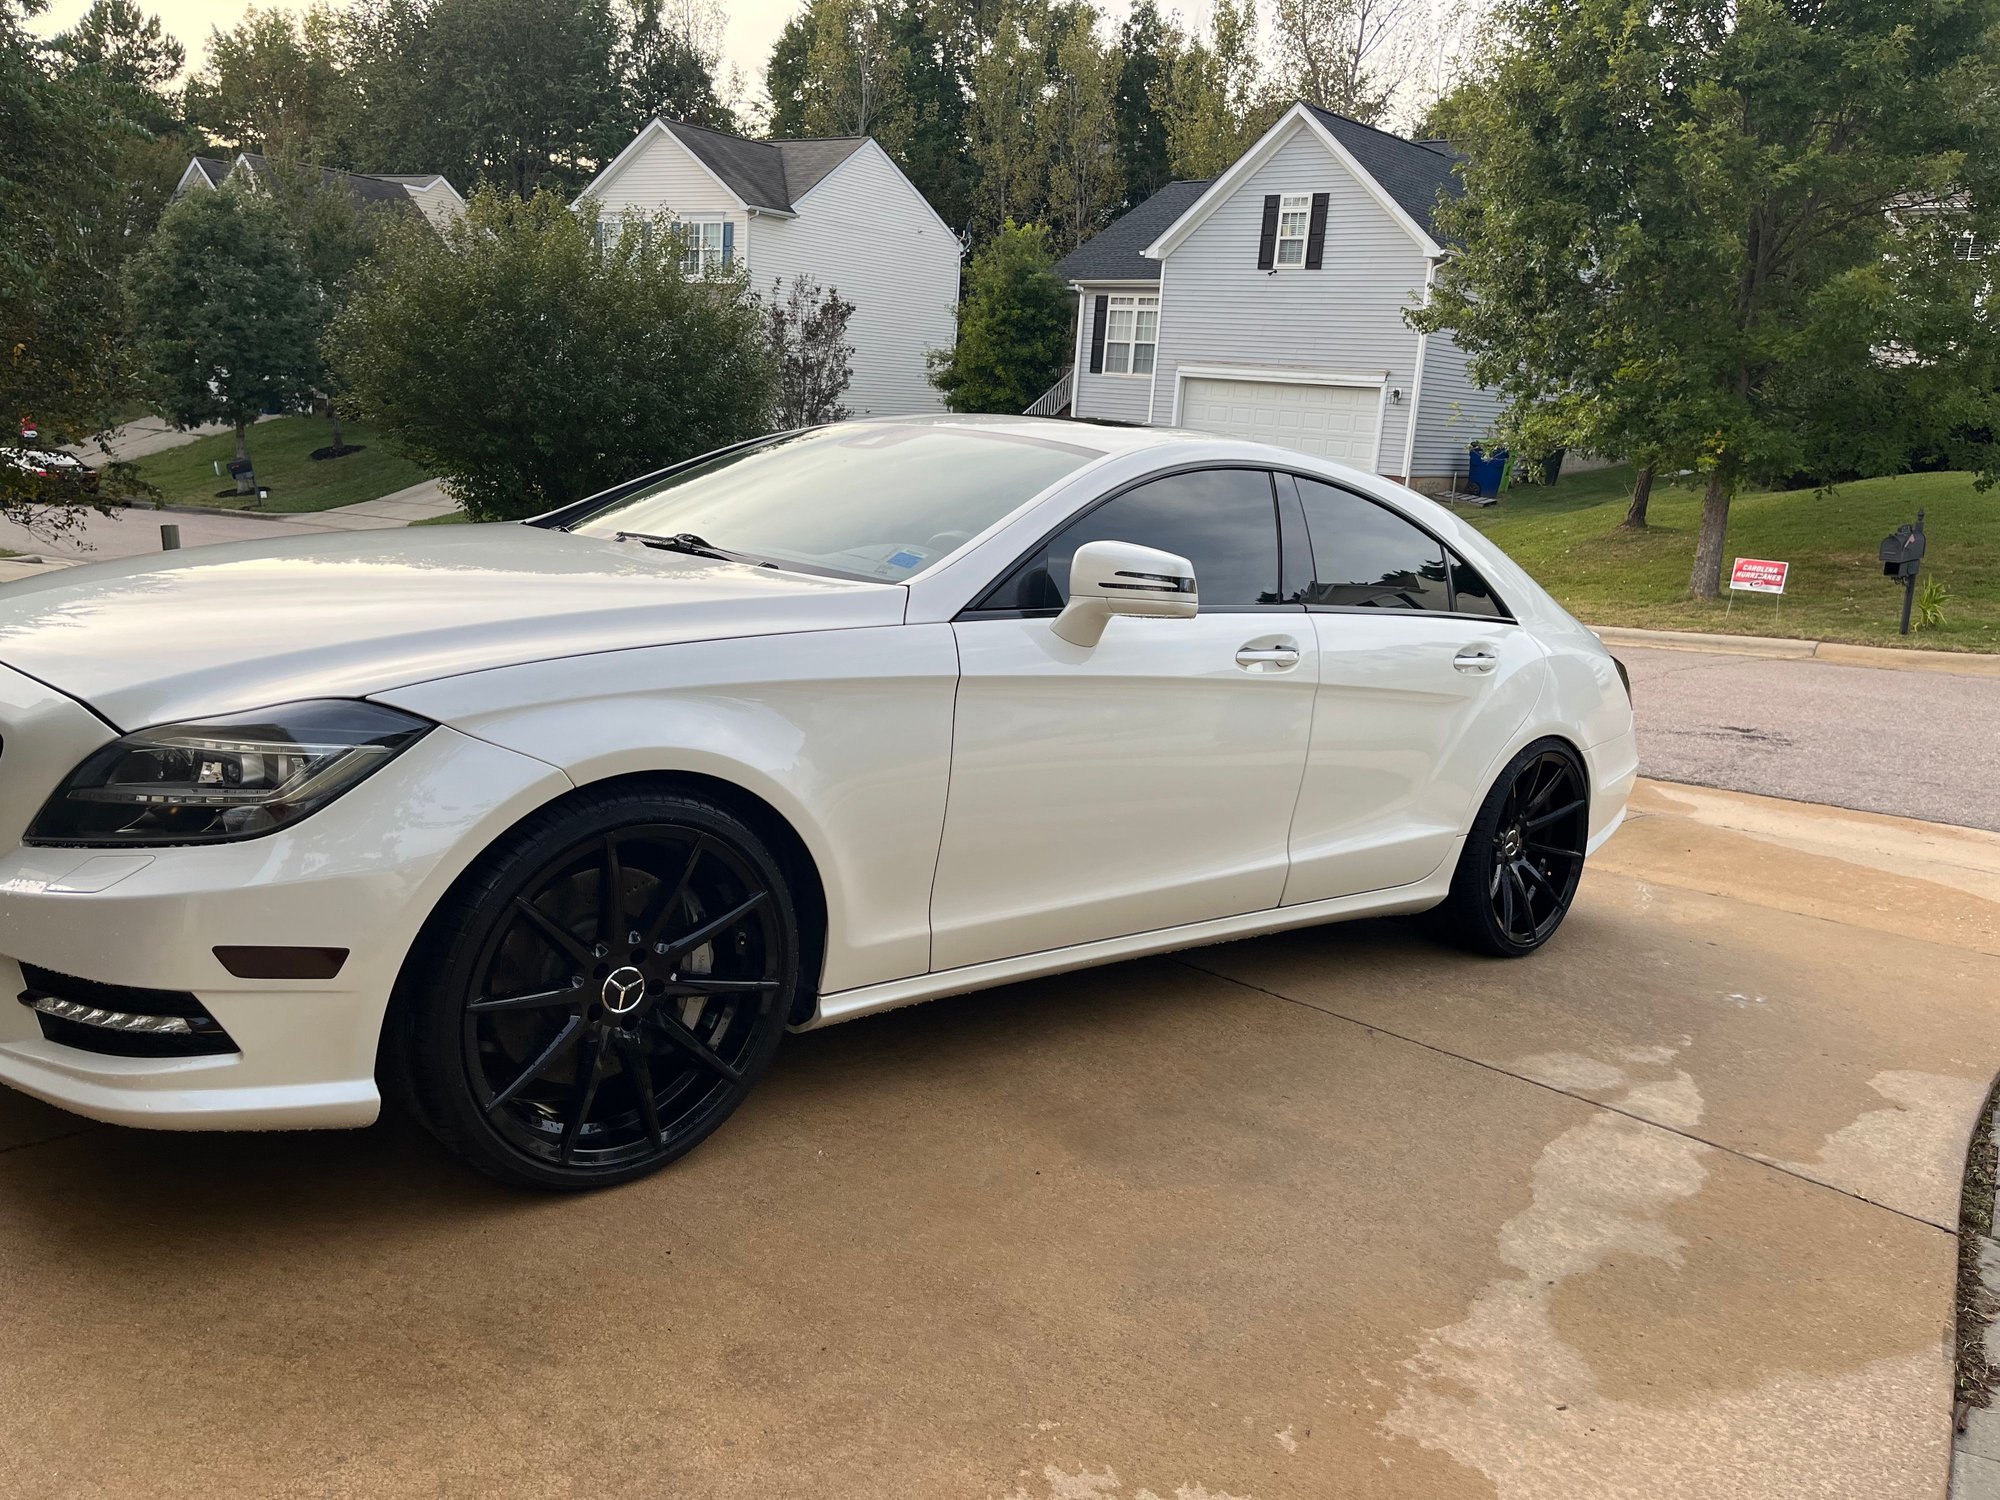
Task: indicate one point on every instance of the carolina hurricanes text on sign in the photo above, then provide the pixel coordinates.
(1759, 575)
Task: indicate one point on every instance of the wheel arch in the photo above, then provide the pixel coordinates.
(801, 869)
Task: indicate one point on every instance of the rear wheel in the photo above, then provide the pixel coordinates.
(602, 991)
(1518, 872)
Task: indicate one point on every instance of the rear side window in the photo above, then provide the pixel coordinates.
(1471, 594)
(1365, 556)
(1224, 521)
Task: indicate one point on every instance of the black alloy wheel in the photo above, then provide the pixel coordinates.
(611, 984)
(1523, 858)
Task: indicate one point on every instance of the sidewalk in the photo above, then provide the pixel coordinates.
(1892, 658)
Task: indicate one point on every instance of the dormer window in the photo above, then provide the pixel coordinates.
(1294, 216)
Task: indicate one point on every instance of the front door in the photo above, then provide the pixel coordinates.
(1143, 783)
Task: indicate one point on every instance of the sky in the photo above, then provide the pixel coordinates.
(753, 24)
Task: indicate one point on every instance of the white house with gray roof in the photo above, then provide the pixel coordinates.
(427, 192)
(1268, 304)
(838, 211)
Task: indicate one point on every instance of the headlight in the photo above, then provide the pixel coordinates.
(220, 779)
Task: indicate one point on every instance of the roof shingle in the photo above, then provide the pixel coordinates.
(1112, 254)
(764, 174)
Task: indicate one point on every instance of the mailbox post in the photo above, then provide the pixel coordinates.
(1902, 553)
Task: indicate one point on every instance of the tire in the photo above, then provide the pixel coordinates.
(554, 1041)
(1518, 871)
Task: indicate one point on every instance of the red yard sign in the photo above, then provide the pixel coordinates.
(1759, 575)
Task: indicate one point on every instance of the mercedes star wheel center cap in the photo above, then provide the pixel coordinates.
(623, 990)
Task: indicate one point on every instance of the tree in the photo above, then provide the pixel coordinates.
(65, 365)
(1004, 126)
(1014, 326)
(273, 84)
(333, 236)
(1077, 127)
(856, 73)
(1215, 100)
(1147, 48)
(221, 313)
(116, 43)
(119, 54)
(666, 66)
(1728, 237)
(807, 329)
(1330, 53)
(548, 367)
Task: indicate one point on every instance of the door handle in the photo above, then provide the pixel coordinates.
(1277, 656)
(1476, 659)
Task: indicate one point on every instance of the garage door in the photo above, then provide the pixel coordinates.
(1333, 421)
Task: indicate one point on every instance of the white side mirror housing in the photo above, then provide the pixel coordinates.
(1123, 578)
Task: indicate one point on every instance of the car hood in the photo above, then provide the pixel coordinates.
(216, 629)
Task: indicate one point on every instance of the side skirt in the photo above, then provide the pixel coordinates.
(847, 1005)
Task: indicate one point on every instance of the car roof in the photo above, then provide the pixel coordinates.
(1103, 438)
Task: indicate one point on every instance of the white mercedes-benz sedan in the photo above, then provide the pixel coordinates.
(555, 828)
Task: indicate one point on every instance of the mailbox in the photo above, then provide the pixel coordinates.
(239, 468)
(1901, 552)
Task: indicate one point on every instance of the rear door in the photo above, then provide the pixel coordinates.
(1423, 680)
(1142, 783)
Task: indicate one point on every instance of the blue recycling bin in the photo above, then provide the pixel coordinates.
(1486, 470)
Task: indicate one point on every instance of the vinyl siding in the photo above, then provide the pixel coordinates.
(1108, 398)
(1347, 317)
(440, 204)
(1455, 413)
(866, 231)
(662, 177)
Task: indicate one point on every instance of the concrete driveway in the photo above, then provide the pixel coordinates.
(1664, 1211)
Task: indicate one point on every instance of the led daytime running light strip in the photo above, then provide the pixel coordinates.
(111, 1020)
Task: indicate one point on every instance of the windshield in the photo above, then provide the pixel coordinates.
(857, 499)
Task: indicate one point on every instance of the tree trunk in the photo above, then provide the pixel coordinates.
(1706, 580)
(339, 442)
(1642, 494)
(243, 484)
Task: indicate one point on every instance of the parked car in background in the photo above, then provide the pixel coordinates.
(556, 827)
(59, 473)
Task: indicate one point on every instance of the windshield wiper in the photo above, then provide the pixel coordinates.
(693, 546)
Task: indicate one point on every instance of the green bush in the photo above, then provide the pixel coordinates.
(527, 366)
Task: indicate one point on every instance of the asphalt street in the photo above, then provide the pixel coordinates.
(1913, 744)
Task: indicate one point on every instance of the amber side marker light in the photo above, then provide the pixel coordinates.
(282, 963)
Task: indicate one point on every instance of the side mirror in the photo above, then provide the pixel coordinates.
(1123, 578)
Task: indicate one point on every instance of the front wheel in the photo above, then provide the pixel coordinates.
(1518, 871)
(602, 990)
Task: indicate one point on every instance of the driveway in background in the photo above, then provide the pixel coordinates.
(1913, 744)
(1664, 1211)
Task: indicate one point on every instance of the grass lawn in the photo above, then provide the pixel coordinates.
(280, 448)
(449, 518)
(1568, 536)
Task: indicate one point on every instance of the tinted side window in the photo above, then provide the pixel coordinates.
(1222, 520)
(1365, 555)
(1471, 594)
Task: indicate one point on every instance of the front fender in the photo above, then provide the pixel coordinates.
(846, 733)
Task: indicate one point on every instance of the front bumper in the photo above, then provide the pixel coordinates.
(362, 874)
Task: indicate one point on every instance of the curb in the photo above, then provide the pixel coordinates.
(1889, 658)
(1975, 1434)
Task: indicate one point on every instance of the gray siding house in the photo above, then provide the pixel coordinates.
(1269, 304)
